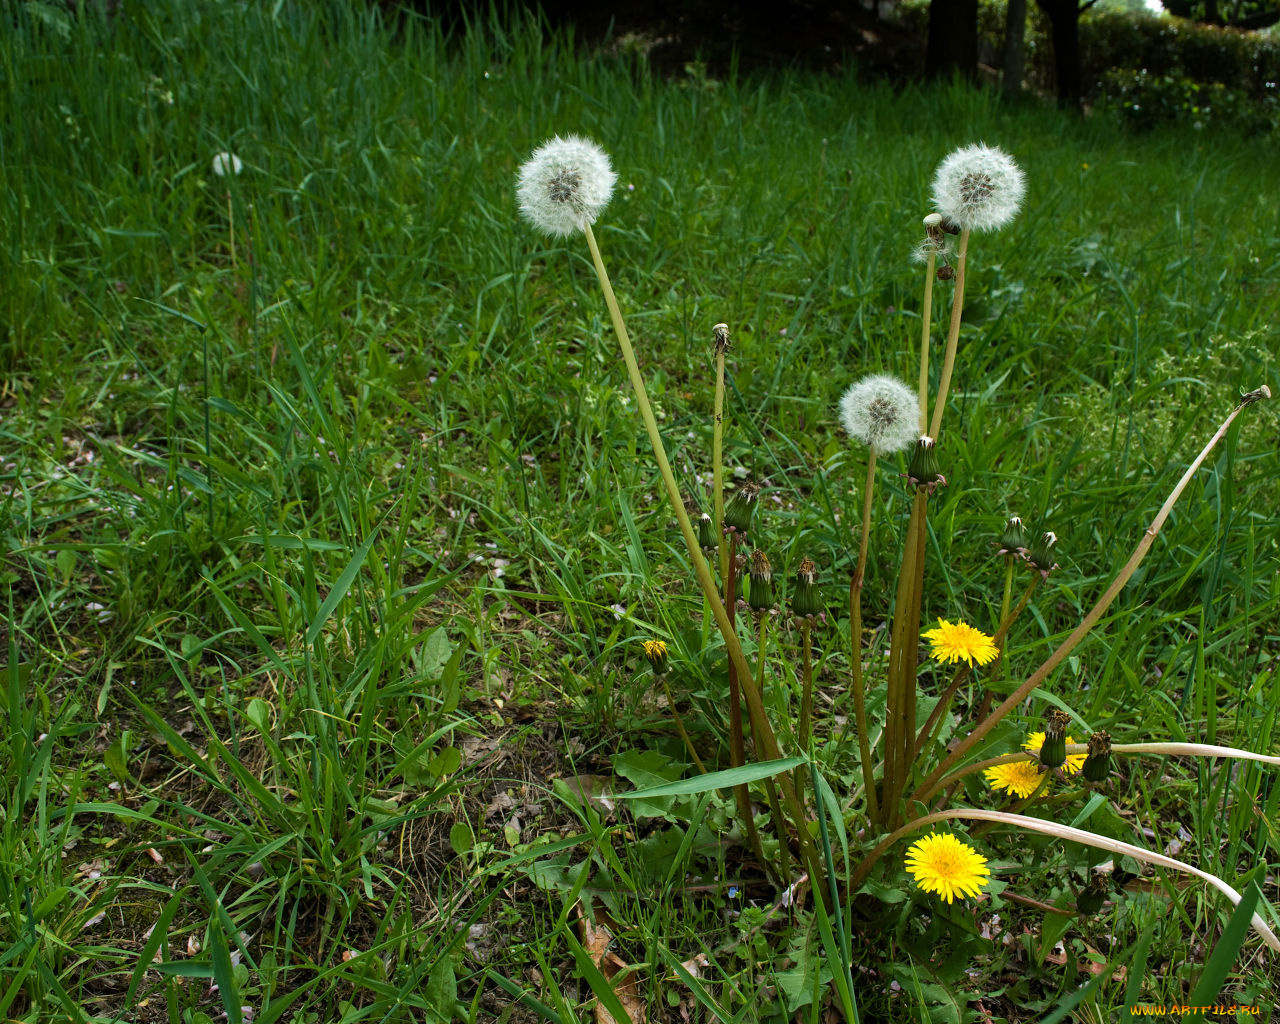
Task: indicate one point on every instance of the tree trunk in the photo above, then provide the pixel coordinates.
(1064, 21)
(953, 39)
(1015, 47)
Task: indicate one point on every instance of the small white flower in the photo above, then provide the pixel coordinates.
(226, 163)
(882, 413)
(565, 184)
(979, 188)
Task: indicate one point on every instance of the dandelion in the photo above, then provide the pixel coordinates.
(565, 184)
(656, 653)
(958, 641)
(226, 163)
(1035, 741)
(1017, 778)
(882, 413)
(943, 864)
(979, 188)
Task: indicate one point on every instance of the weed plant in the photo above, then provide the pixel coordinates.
(327, 563)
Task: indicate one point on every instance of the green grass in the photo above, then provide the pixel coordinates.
(325, 568)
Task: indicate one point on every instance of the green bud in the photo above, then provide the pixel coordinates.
(1040, 556)
(1093, 896)
(1053, 752)
(760, 593)
(1014, 538)
(741, 507)
(1097, 766)
(706, 533)
(806, 599)
(922, 471)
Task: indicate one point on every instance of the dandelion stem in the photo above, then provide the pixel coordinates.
(933, 783)
(770, 790)
(926, 316)
(855, 645)
(806, 693)
(717, 463)
(684, 735)
(755, 707)
(953, 336)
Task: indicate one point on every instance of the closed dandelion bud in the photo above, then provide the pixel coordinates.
(706, 533)
(1041, 555)
(1053, 751)
(806, 600)
(1014, 538)
(720, 332)
(741, 507)
(1097, 766)
(1092, 896)
(655, 651)
(946, 272)
(760, 592)
(922, 471)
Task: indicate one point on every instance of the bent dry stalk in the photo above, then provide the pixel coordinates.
(938, 777)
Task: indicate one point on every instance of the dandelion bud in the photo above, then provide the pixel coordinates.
(1098, 764)
(706, 533)
(760, 593)
(1040, 556)
(1014, 538)
(721, 334)
(922, 471)
(806, 600)
(564, 185)
(656, 653)
(946, 272)
(933, 222)
(1092, 896)
(978, 188)
(881, 412)
(741, 508)
(1053, 751)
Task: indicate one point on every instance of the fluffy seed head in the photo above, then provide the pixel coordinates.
(564, 185)
(979, 188)
(882, 413)
(226, 163)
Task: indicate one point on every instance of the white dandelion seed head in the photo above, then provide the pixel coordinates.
(979, 188)
(565, 184)
(226, 163)
(881, 412)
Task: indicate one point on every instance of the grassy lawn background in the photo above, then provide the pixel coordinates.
(323, 562)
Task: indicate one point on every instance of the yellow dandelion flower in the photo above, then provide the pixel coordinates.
(958, 641)
(1074, 761)
(943, 864)
(656, 652)
(1018, 778)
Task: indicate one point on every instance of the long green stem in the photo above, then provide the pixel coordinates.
(855, 646)
(755, 707)
(953, 336)
(903, 652)
(806, 692)
(717, 459)
(933, 783)
(926, 318)
(703, 573)
(770, 790)
(684, 733)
